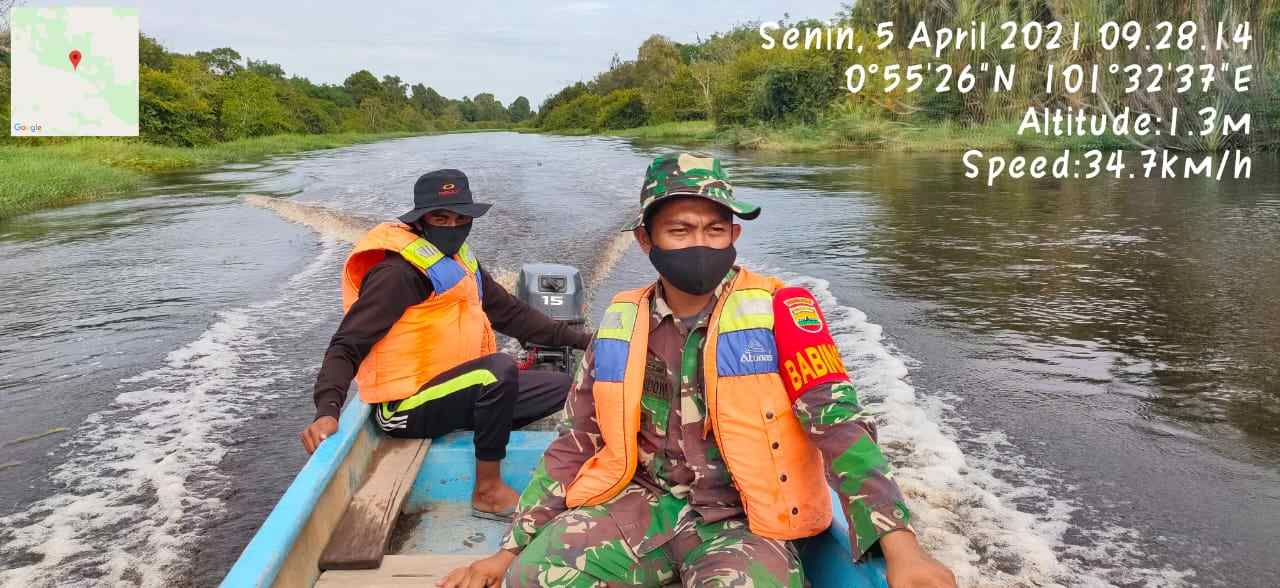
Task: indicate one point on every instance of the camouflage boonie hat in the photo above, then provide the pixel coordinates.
(689, 174)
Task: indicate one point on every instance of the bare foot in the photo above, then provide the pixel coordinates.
(497, 497)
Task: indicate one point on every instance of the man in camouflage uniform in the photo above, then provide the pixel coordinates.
(681, 517)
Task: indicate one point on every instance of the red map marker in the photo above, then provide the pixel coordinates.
(75, 59)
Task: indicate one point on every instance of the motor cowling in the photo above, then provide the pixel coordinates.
(557, 291)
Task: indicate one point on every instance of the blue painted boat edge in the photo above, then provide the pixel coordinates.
(262, 558)
(828, 558)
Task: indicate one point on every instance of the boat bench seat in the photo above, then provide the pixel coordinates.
(360, 539)
(397, 571)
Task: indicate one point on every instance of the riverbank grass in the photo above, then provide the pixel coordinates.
(693, 130)
(35, 176)
(30, 180)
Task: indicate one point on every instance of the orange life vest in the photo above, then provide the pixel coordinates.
(778, 472)
(443, 331)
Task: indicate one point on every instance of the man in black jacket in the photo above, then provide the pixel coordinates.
(505, 398)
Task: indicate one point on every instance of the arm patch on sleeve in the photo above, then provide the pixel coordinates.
(807, 355)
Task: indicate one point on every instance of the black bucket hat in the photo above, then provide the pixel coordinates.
(446, 189)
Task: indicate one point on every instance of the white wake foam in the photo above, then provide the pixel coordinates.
(964, 505)
(344, 226)
(334, 224)
(141, 479)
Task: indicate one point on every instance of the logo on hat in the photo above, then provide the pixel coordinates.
(447, 190)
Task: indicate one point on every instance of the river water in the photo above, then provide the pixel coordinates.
(1077, 381)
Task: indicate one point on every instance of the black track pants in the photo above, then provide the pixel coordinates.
(488, 395)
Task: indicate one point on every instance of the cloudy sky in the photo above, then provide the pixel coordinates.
(459, 48)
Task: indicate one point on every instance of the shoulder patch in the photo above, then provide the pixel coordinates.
(807, 355)
(804, 313)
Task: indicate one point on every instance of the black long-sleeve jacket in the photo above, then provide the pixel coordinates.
(392, 286)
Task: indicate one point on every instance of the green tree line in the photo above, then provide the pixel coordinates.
(219, 95)
(729, 79)
(5, 6)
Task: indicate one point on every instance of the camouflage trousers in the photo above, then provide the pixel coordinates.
(619, 544)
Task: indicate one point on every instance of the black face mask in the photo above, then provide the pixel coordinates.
(447, 239)
(695, 270)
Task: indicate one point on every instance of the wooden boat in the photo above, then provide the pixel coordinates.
(360, 487)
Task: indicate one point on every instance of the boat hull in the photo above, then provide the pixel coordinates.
(286, 550)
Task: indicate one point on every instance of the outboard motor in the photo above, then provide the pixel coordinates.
(556, 290)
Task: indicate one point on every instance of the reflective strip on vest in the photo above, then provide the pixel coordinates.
(746, 345)
(444, 272)
(619, 320)
(468, 259)
(747, 309)
(613, 341)
(472, 264)
(422, 254)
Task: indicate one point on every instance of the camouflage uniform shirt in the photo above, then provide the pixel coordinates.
(681, 473)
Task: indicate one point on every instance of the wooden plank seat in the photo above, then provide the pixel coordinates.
(397, 571)
(360, 540)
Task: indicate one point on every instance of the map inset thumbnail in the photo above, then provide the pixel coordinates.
(75, 71)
